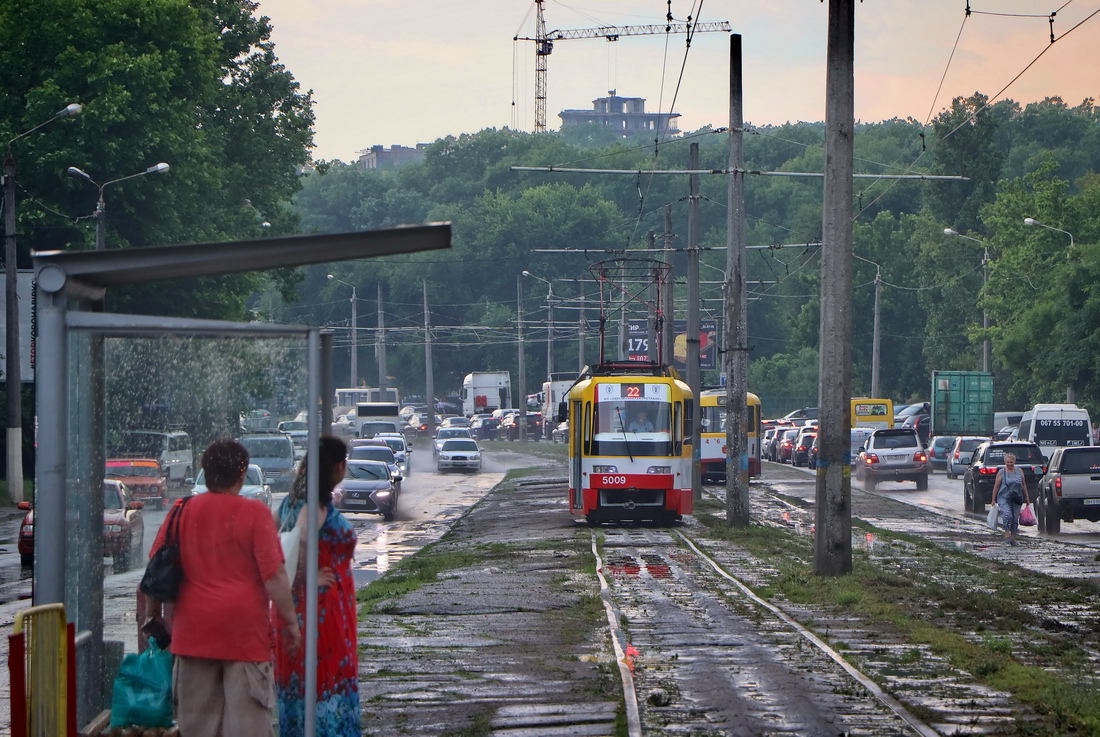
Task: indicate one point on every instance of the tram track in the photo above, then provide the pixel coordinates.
(708, 656)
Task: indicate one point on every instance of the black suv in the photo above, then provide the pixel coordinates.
(988, 459)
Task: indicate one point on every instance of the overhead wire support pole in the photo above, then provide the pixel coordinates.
(736, 338)
(694, 374)
(833, 499)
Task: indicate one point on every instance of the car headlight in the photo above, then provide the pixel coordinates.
(659, 469)
(605, 469)
(383, 492)
(112, 528)
(28, 529)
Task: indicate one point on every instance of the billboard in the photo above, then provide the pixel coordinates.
(638, 349)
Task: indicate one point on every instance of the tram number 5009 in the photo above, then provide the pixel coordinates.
(613, 480)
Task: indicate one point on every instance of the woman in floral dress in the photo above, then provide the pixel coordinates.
(337, 642)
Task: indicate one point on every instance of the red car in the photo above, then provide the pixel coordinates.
(784, 447)
(142, 477)
(123, 528)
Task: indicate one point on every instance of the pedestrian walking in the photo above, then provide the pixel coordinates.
(1010, 493)
(233, 572)
(337, 627)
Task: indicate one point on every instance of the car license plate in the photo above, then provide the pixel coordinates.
(355, 501)
(1091, 502)
(897, 458)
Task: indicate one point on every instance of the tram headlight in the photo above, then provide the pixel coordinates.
(659, 469)
(605, 469)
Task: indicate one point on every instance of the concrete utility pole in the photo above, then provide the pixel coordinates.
(429, 380)
(694, 377)
(380, 347)
(522, 403)
(833, 506)
(736, 358)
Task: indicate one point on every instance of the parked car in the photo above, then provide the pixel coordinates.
(800, 451)
(142, 477)
(123, 528)
(368, 489)
(459, 454)
(922, 423)
(938, 450)
(989, 458)
(484, 428)
(560, 433)
(1070, 490)
(960, 453)
(274, 454)
(376, 449)
(254, 486)
(1005, 432)
(448, 433)
(893, 454)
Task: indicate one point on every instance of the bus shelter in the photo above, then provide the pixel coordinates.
(73, 335)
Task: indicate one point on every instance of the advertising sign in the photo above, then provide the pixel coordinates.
(25, 292)
(638, 348)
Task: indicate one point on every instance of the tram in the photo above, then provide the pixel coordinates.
(712, 449)
(630, 450)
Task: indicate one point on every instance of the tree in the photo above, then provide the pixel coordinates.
(195, 84)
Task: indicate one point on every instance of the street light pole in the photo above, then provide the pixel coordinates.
(354, 332)
(101, 205)
(549, 322)
(1071, 394)
(12, 370)
(987, 354)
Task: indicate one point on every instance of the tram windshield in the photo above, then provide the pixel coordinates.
(641, 419)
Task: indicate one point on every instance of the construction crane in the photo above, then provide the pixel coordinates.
(544, 45)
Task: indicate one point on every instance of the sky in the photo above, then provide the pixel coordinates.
(387, 72)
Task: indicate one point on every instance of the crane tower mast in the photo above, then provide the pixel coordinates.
(544, 45)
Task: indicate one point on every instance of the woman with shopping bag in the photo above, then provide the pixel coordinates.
(1009, 494)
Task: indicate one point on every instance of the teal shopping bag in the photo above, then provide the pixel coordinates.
(143, 689)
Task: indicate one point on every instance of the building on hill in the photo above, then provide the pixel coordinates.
(380, 157)
(625, 115)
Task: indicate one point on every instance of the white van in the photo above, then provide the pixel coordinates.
(1053, 426)
(172, 449)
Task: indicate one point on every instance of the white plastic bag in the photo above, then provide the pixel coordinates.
(993, 517)
(291, 541)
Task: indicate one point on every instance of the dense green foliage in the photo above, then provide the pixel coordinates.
(194, 83)
(1035, 161)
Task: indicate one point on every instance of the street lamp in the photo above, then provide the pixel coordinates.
(1033, 221)
(354, 333)
(12, 370)
(101, 207)
(549, 322)
(987, 355)
(875, 353)
(1071, 395)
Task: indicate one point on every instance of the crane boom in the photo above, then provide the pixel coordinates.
(544, 45)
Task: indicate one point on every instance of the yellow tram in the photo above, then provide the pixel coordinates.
(712, 450)
(630, 449)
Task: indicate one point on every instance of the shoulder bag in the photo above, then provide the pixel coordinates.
(164, 572)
